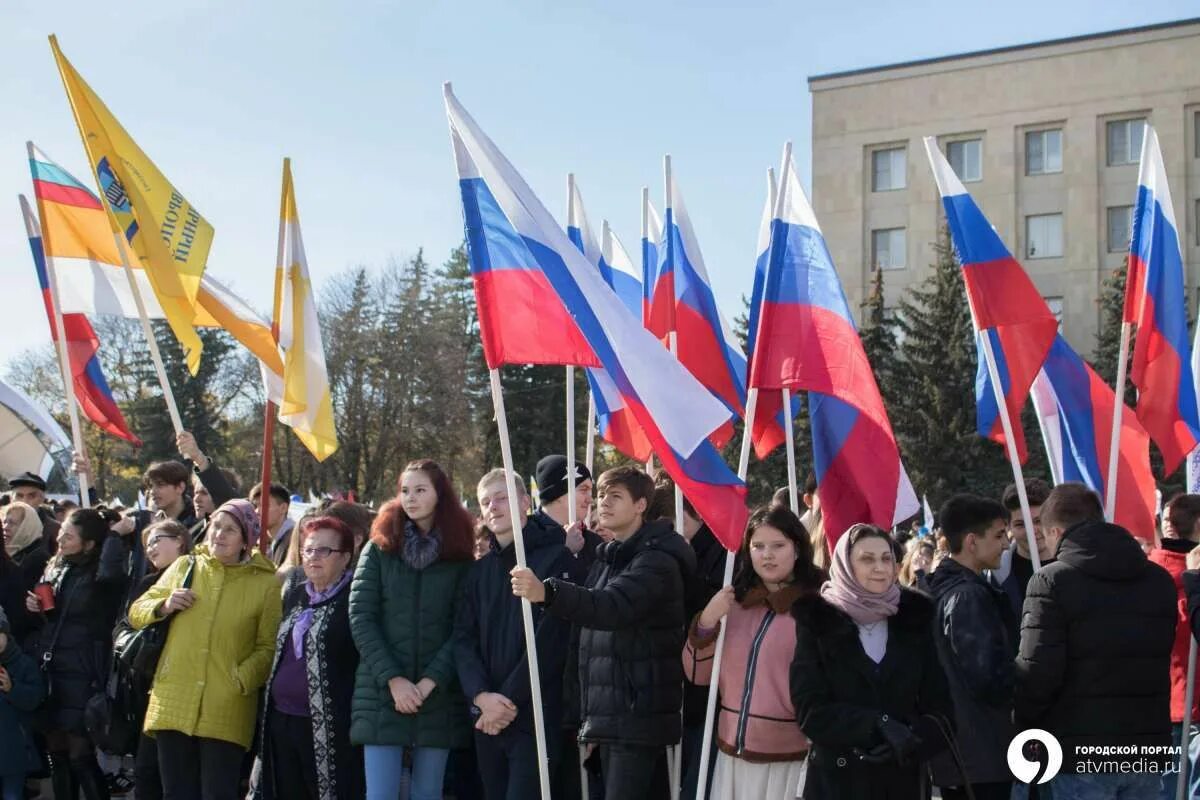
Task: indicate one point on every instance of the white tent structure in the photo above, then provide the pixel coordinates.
(29, 437)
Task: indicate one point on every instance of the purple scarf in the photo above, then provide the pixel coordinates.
(305, 619)
(844, 592)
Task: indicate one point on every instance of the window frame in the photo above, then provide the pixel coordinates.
(1134, 157)
(977, 140)
(1029, 218)
(890, 152)
(1042, 134)
(891, 232)
(1108, 228)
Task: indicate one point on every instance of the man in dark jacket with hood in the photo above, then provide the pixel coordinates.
(554, 510)
(1096, 636)
(490, 646)
(973, 630)
(631, 623)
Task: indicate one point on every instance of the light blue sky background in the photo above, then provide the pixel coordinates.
(218, 92)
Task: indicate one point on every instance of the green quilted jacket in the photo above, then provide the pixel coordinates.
(403, 625)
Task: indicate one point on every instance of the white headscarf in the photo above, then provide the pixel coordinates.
(28, 532)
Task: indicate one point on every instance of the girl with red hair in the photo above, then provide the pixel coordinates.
(403, 602)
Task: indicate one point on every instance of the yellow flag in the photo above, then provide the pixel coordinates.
(164, 230)
(307, 405)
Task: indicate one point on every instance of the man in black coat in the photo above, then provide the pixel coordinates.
(1097, 630)
(554, 510)
(631, 622)
(973, 629)
(490, 647)
(30, 489)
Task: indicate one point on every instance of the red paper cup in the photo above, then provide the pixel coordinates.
(45, 595)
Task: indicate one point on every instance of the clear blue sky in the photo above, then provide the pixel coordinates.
(218, 92)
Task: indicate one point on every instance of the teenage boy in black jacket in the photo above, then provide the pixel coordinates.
(490, 647)
(631, 621)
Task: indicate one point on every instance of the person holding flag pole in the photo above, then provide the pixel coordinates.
(1007, 312)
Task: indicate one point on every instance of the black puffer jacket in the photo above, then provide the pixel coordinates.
(973, 631)
(840, 694)
(631, 622)
(31, 561)
(1096, 636)
(489, 633)
(87, 600)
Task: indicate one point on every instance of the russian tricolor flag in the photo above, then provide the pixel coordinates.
(704, 342)
(769, 428)
(614, 419)
(1004, 303)
(807, 340)
(82, 345)
(503, 215)
(1156, 303)
(652, 240)
(1077, 422)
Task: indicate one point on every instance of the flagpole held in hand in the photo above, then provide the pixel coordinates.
(790, 440)
(1186, 728)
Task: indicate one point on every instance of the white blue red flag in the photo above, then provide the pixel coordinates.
(614, 419)
(82, 344)
(1155, 301)
(1080, 420)
(704, 342)
(1005, 305)
(503, 218)
(619, 273)
(652, 242)
(807, 340)
(769, 429)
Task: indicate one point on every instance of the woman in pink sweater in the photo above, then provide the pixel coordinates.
(761, 749)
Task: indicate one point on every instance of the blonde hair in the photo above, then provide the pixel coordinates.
(822, 559)
(907, 576)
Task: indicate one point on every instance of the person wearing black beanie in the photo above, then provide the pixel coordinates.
(554, 510)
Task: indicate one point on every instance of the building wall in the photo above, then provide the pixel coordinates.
(1077, 86)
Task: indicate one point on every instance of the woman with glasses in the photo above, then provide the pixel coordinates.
(306, 749)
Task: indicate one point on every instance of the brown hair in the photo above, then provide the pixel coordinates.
(452, 521)
(171, 472)
(907, 573)
(1069, 504)
(805, 574)
(173, 528)
(639, 485)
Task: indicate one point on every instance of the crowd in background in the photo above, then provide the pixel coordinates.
(352, 653)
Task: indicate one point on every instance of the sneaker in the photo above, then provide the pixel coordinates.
(119, 785)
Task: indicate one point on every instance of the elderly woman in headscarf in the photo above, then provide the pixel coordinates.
(24, 543)
(224, 608)
(865, 681)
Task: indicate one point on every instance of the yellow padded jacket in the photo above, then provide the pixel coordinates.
(218, 652)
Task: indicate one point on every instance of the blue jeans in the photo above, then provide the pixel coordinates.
(385, 768)
(1105, 787)
(1170, 780)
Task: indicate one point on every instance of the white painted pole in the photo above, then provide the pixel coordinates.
(714, 679)
(514, 511)
(790, 441)
(1053, 456)
(1189, 697)
(1114, 442)
(589, 458)
(64, 361)
(1011, 446)
(571, 516)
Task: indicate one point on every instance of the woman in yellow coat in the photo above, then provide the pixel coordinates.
(217, 656)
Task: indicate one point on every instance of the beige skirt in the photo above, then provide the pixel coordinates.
(735, 779)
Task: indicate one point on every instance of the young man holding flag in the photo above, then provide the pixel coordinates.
(630, 622)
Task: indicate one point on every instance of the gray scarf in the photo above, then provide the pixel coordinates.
(420, 549)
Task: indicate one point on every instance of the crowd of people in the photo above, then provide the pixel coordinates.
(355, 653)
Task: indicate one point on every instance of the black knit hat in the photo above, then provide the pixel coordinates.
(27, 479)
(551, 477)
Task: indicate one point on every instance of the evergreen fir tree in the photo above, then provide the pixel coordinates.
(879, 341)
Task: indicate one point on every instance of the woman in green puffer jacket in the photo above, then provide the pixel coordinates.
(218, 653)
(403, 602)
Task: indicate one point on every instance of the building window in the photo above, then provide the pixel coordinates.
(1198, 222)
(888, 169)
(887, 248)
(1120, 228)
(1056, 308)
(1196, 132)
(1044, 236)
(1125, 141)
(1043, 152)
(966, 159)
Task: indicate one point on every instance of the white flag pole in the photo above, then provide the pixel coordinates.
(1189, 699)
(1114, 442)
(570, 383)
(64, 361)
(790, 441)
(514, 511)
(743, 470)
(646, 276)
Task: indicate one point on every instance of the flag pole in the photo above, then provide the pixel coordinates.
(1009, 443)
(514, 512)
(715, 677)
(673, 346)
(789, 431)
(570, 385)
(646, 279)
(743, 471)
(590, 457)
(1114, 442)
(269, 408)
(1185, 729)
(1051, 455)
(151, 342)
(64, 361)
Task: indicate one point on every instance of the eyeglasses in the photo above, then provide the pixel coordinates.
(158, 537)
(319, 553)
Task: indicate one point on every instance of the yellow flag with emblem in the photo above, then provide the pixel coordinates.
(307, 405)
(164, 230)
